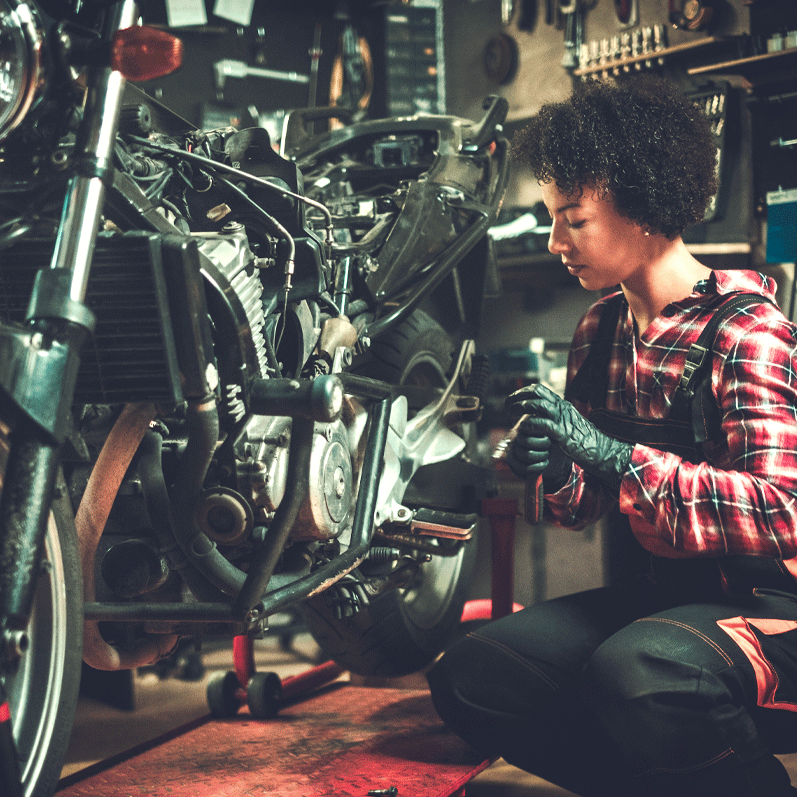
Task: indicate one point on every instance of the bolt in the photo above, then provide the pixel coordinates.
(16, 643)
(340, 482)
(59, 159)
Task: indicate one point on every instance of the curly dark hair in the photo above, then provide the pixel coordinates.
(640, 139)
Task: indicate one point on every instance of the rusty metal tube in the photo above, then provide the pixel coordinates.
(92, 515)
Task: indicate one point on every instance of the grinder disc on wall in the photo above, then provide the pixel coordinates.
(691, 14)
(500, 58)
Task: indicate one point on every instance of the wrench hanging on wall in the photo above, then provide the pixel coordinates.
(228, 67)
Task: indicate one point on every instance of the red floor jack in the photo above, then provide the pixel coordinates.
(310, 735)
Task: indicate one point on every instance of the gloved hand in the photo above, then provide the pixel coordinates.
(551, 416)
(531, 453)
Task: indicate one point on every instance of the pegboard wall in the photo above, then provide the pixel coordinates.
(738, 58)
(546, 45)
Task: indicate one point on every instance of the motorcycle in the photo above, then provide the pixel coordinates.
(236, 381)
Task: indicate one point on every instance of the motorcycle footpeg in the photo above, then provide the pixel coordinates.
(437, 523)
(462, 409)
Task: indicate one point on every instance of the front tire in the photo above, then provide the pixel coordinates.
(403, 630)
(43, 690)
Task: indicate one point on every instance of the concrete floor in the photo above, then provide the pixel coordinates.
(161, 705)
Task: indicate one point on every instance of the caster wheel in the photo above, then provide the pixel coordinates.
(222, 695)
(194, 669)
(263, 694)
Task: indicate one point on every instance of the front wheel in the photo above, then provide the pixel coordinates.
(402, 630)
(43, 688)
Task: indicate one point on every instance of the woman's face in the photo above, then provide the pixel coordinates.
(597, 244)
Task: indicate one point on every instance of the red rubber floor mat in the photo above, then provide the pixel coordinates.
(341, 742)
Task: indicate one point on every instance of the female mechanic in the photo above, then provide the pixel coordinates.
(679, 678)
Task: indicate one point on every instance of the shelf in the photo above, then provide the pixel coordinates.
(766, 67)
(541, 269)
(677, 49)
(545, 259)
(529, 259)
(532, 270)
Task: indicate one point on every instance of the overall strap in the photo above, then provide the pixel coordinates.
(591, 382)
(693, 402)
(693, 399)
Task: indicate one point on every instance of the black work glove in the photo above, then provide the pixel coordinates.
(531, 453)
(551, 416)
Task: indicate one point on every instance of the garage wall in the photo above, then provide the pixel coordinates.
(471, 24)
(472, 28)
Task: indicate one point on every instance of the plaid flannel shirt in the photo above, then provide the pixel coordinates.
(743, 500)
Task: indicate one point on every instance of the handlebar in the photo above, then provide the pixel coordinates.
(496, 109)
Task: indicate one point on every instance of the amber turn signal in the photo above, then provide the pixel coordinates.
(144, 53)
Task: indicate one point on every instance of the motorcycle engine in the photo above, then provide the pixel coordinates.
(261, 460)
(261, 443)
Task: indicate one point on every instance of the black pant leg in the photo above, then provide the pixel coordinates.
(511, 688)
(681, 698)
(574, 691)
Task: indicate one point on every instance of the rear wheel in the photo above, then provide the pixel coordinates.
(43, 688)
(402, 630)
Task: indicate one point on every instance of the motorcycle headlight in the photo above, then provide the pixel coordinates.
(20, 62)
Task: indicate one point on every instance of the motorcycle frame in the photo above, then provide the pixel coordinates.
(250, 608)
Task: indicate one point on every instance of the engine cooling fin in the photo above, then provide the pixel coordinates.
(233, 259)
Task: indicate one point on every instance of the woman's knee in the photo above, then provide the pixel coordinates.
(665, 695)
(458, 682)
(486, 691)
(445, 675)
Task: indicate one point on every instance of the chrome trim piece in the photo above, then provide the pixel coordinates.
(26, 21)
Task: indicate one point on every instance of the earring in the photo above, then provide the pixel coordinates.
(646, 232)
